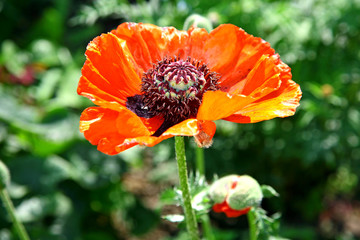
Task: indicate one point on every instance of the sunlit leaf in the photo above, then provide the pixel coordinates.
(176, 218)
(36, 208)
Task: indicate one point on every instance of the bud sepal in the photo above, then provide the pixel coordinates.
(234, 195)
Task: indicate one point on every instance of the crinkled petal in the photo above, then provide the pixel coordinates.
(266, 76)
(149, 43)
(108, 128)
(232, 53)
(280, 103)
(110, 73)
(196, 44)
(248, 98)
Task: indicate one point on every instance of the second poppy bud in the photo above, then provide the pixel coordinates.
(4, 176)
(234, 195)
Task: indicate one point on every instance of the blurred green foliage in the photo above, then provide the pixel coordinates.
(63, 188)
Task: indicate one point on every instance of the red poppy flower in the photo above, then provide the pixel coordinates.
(152, 83)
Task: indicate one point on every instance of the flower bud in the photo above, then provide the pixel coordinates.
(4, 176)
(235, 195)
(196, 20)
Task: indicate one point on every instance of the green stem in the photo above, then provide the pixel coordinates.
(252, 224)
(205, 220)
(19, 227)
(206, 224)
(200, 163)
(190, 218)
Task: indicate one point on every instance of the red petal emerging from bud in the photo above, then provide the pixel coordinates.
(225, 208)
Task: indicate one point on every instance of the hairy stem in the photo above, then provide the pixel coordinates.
(252, 224)
(190, 218)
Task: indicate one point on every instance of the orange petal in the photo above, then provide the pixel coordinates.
(217, 105)
(152, 124)
(116, 131)
(108, 128)
(109, 73)
(89, 90)
(149, 43)
(109, 144)
(189, 127)
(196, 43)
(232, 53)
(280, 103)
(263, 78)
(206, 132)
(249, 99)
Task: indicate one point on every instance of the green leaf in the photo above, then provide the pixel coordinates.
(5, 234)
(40, 174)
(49, 138)
(17, 191)
(14, 59)
(201, 202)
(48, 84)
(169, 197)
(96, 235)
(13, 112)
(269, 191)
(45, 52)
(267, 227)
(66, 95)
(92, 168)
(36, 208)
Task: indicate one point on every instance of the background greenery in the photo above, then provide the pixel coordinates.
(63, 188)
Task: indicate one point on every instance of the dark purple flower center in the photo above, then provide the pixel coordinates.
(173, 89)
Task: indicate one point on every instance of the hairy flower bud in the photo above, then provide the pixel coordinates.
(4, 176)
(196, 20)
(235, 195)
